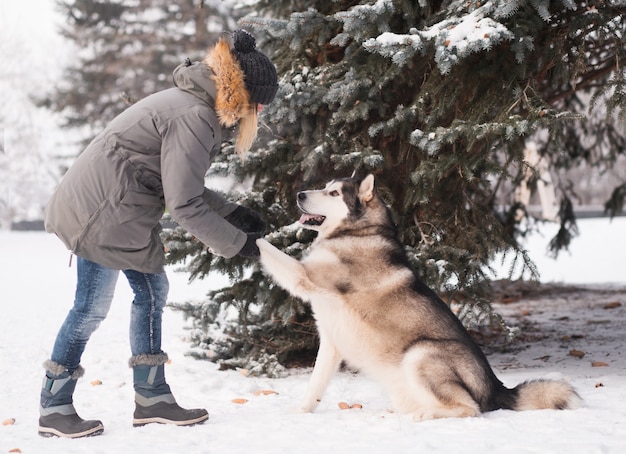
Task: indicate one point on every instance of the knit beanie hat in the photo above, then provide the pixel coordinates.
(260, 74)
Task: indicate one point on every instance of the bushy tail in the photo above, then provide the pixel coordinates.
(545, 394)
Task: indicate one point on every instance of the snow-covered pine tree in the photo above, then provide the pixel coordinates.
(437, 98)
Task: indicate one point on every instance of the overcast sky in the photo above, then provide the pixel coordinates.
(29, 29)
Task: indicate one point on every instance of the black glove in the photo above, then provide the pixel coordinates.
(250, 249)
(246, 220)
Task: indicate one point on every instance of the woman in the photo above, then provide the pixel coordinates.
(107, 210)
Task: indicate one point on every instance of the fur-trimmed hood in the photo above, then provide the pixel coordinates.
(219, 81)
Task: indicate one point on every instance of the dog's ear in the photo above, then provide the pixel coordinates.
(367, 190)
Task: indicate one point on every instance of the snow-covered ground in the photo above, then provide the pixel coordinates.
(38, 286)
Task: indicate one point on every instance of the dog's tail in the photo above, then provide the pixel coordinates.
(540, 395)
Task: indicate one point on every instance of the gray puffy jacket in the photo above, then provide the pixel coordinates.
(152, 156)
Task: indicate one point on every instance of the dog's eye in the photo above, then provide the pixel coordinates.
(334, 193)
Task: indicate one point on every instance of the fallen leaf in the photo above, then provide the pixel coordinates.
(8, 422)
(599, 364)
(239, 401)
(576, 353)
(96, 383)
(347, 406)
(15, 450)
(264, 392)
(613, 305)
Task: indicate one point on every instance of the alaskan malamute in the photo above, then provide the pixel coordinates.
(374, 312)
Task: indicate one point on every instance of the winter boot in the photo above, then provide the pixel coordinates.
(58, 417)
(154, 402)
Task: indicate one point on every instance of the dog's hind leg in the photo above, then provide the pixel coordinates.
(456, 403)
(437, 388)
(326, 364)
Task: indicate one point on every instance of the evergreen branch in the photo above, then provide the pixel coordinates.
(588, 79)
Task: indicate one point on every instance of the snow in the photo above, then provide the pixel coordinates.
(594, 257)
(38, 288)
(454, 38)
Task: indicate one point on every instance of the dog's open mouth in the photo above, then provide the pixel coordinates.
(312, 219)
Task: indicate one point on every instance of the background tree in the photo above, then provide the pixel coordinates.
(128, 50)
(438, 99)
(28, 134)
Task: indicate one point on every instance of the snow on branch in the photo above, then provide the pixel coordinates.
(453, 38)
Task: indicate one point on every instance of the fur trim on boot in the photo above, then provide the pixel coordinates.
(232, 102)
(57, 369)
(147, 359)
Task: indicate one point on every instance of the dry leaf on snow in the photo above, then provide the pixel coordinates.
(346, 406)
(264, 392)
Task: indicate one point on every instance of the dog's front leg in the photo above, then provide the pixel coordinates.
(326, 364)
(285, 270)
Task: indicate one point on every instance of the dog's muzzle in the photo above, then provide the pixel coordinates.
(308, 218)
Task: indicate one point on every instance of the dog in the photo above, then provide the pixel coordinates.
(374, 312)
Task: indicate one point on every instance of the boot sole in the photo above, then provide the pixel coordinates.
(188, 422)
(49, 432)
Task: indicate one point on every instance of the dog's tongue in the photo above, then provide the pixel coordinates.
(305, 217)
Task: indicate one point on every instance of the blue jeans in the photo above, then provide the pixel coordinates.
(94, 293)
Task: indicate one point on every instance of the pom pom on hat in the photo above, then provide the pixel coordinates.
(260, 73)
(244, 41)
